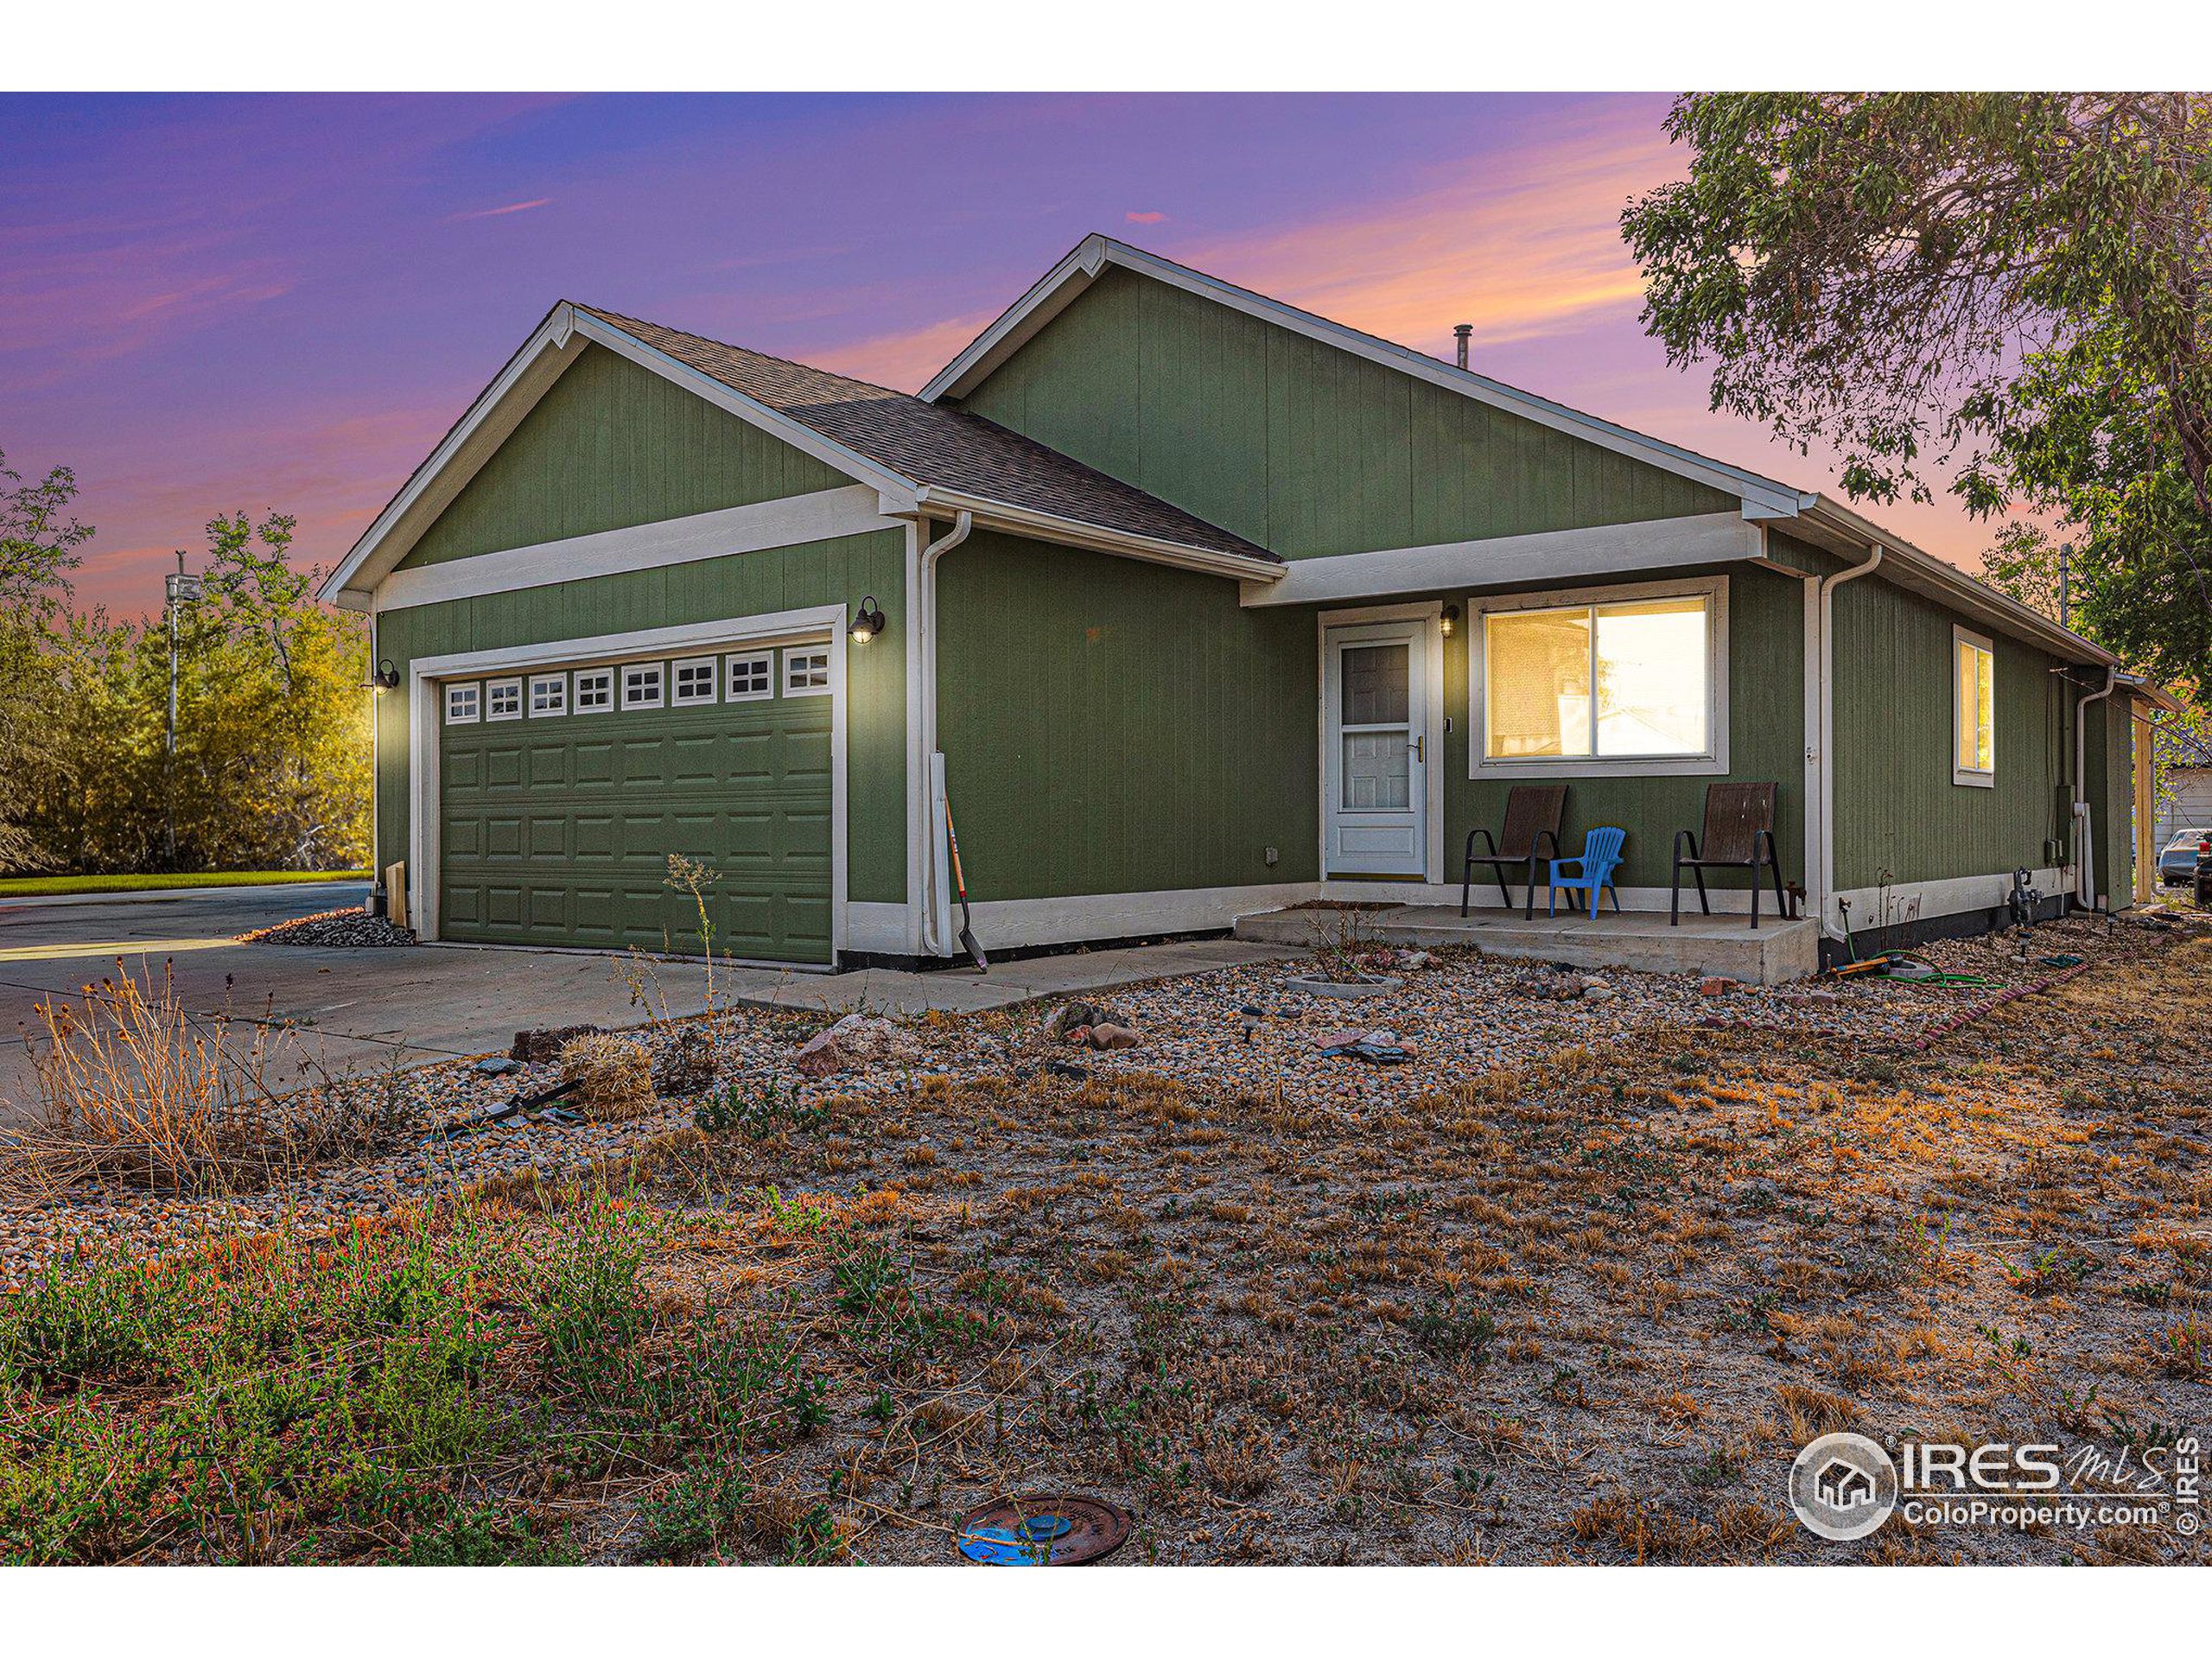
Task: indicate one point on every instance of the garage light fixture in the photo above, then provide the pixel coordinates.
(1450, 620)
(385, 676)
(869, 622)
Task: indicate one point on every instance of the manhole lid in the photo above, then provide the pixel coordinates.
(1041, 1529)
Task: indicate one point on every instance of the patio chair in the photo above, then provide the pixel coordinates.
(1532, 815)
(1593, 871)
(1739, 836)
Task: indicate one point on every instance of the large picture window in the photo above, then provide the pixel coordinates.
(1974, 702)
(1617, 680)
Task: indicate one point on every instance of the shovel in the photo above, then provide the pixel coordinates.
(960, 882)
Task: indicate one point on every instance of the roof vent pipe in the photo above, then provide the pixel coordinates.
(1459, 332)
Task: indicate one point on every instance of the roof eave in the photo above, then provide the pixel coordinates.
(990, 514)
(1912, 566)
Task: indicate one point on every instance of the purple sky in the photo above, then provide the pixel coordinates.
(209, 303)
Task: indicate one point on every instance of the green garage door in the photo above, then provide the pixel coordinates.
(564, 792)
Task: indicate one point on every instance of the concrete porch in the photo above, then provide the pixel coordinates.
(1723, 945)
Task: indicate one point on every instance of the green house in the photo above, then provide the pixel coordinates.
(1190, 605)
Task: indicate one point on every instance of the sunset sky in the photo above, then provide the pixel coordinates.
(215, 303)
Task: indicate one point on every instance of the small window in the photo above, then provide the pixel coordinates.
(503, 699)
(1974, 704)
(694, 681)
(548, 695)
(463, 706)
(594, 691)
(752, 678)
(806, 673)
(642, 686)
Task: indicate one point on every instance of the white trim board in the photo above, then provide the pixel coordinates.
(1060, 286)
(1012, 924)
(818, 515)
(1545, 556)
(424, 725)
(1909, 901)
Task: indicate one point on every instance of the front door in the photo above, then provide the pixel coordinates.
(1375, 755)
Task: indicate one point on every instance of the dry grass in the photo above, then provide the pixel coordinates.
(135, 1090)
(613, 1075)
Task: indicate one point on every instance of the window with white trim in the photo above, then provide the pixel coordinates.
(692, 680)
(1625, 679)
(1973, 708)
(806, 672)
(503, 699)
(752, 677)
(594, 691)
(463, 705)
(643, 684)
(549, 695)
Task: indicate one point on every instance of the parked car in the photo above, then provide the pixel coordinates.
(2179, 861)
(2204, 871)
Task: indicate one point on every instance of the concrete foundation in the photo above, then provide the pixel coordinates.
(1726, 947)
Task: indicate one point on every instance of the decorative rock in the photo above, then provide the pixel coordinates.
(1715, 986)
(534, 1046)
(347, 929)
(1112, 1036)
(858, 1039)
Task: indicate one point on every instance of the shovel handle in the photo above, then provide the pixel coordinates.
(952, 840)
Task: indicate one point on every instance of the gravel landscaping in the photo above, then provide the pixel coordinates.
(1573, 1280)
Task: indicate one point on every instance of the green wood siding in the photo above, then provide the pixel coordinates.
(557, 831)
(1898, 817)
(611, 445)
(745, 584)
(1111, 726)
(1300, 446)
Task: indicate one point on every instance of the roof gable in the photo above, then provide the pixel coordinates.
(1298, 444)
(608, 445)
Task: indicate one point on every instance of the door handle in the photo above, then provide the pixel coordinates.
(1420, 748)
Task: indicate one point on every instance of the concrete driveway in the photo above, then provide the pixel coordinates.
(370, 1008)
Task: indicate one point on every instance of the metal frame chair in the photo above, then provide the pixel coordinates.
(1593, 868)
(1532, 815)
(1739, 835)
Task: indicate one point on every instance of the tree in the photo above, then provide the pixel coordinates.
(2011, 289)
(273, 754)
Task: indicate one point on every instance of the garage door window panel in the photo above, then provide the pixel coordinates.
(594, 691)
(693, 681)
(643, 686)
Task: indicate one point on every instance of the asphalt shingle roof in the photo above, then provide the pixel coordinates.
(930, 444)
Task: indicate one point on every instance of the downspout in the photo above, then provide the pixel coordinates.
(932, 781)
(1827, 769)
(2085, 877)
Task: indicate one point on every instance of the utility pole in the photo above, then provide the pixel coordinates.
(2066, 584)
(179, 587)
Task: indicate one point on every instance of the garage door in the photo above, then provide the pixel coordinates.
(564, 791)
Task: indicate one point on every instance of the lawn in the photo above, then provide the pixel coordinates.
(1586, 1307)
(30, 886)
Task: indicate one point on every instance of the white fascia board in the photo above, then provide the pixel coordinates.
(828, 451)
(1066, 280)
(1545, 556)
(498, 408)
(818, 516)
(1095, 538)
(1046, 298)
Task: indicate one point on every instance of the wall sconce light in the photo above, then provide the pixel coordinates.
(868, 622)
(1450, 620)
(386, 677)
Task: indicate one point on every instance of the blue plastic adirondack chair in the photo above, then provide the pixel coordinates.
(1601, 856)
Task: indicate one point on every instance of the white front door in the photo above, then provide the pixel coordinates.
(1375, 764)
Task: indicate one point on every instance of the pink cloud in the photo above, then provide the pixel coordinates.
(1144, 219)
(498, 212)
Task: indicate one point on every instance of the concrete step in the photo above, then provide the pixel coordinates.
(1727, 946)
